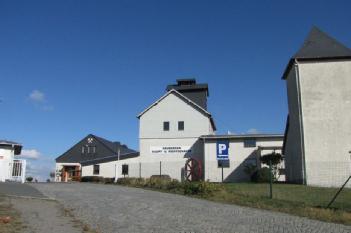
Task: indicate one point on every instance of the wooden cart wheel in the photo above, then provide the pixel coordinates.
(193, 169)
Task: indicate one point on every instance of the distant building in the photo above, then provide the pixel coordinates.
(176, 138)
(11, 169)
(178, 127)
(90, 151)
(318, 131)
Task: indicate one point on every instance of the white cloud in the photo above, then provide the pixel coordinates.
(253, 131)
(30, 154)
(38, 99)
(37, 96)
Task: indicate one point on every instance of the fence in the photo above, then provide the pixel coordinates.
(324, 180)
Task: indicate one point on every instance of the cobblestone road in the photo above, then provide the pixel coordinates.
(111, 208)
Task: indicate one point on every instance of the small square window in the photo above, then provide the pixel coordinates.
(166, 126)
(250, 143)
(96, 170)
(180, 125)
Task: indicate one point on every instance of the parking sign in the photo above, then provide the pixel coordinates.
(223, 150)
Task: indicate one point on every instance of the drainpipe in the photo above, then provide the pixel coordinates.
(298, 86)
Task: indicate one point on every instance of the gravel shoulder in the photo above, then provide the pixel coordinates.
(113, 208)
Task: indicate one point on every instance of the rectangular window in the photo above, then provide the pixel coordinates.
(96, 170)
(125, 169)
(83, 149)
(250, 143)
(180, 125)
(94, 149)
(166, 126)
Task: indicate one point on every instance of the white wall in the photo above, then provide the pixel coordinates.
(6, 157)
(326, 109)
(239, 156)
(151, 134)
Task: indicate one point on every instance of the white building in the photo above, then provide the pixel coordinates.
(11, 169)
(243, 150)
(318, 132)
(177, 127)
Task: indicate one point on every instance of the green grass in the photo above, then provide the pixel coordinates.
(300, 194)
(293, 199)
(6, 210)
(298, 200)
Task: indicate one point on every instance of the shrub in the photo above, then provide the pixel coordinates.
(109, 180)
(97, 179)
(29, 179)
(261, 176)
(201, 188)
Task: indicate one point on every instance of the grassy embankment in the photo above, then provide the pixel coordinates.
(298, 200)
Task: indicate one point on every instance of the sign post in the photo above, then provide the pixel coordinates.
(222, 153)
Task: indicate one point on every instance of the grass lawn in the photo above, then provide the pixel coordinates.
(14, 225)
(294, 199)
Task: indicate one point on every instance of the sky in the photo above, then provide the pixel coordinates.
(70, 68)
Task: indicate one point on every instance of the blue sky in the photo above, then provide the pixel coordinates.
(70, 68)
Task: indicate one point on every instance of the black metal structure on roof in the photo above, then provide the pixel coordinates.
(197, 92)
(319, 46)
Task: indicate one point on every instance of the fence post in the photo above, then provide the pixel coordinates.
(160, 169)
(270, 180)
(222, 173)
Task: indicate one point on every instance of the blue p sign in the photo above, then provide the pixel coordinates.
(222, 150)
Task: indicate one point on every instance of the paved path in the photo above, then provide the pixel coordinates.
(112, 208)
(20, 190)
(37, 213)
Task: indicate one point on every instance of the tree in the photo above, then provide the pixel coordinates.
(29, 179)
(275, 159)
(52, 175)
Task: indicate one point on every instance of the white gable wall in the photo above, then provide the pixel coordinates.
(326, 110)
(173, 109)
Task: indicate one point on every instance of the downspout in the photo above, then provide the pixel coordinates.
(298, 86)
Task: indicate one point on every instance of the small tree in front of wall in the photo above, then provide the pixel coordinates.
(29, 179)
(275, 159)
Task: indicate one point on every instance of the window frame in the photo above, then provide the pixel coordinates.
(94, 169)
(250, 142)
(181, 123)
(166, 123)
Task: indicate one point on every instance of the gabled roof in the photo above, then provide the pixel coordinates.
(110, 158)
(243, 136)
(184, 98)
(105, 148)
(319, 46)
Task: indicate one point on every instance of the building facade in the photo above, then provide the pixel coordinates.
(90, 150)
(318, 133)
(11, 168)
(243, 150)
